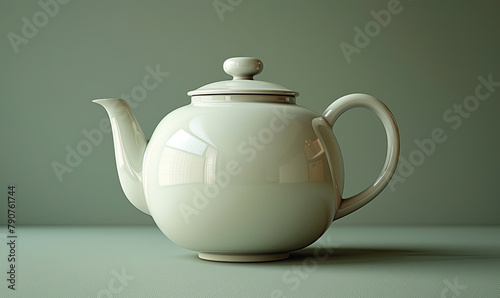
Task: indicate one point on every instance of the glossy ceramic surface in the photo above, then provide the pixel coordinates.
(242, 174)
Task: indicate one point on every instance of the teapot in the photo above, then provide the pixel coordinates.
(242, 173)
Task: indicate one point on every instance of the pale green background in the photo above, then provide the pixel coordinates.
(427, 59)
(423, 62)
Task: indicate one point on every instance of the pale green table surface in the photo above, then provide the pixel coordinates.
(348, 261)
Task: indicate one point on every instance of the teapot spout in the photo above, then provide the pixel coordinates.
(130, 144)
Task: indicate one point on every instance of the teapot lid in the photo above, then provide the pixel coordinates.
(242, 69)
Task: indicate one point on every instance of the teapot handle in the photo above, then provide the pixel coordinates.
(333, 112)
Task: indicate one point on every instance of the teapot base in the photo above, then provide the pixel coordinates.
(242, 258)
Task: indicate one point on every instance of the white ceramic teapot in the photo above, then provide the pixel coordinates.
(242, 174)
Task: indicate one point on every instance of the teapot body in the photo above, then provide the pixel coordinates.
(226, 175)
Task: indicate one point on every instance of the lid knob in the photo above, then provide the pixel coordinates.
(243, 68)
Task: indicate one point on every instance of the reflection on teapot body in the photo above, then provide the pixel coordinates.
(242, 174)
